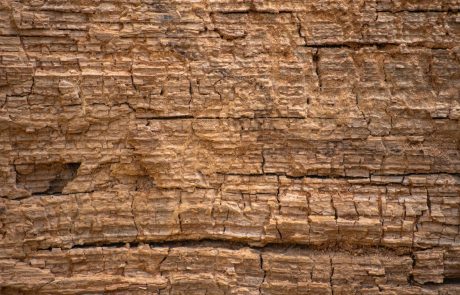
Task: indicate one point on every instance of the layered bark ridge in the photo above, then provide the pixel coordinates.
(230, 147)
(212, 268)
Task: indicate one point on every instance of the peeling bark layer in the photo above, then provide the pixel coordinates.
(230, 147)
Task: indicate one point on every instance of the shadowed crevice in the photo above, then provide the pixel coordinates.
(45, 179)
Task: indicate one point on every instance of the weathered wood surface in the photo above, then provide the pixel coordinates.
(230, 147)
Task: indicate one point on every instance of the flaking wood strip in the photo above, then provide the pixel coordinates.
(216, 269)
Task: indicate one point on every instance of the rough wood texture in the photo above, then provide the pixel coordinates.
(230, 147)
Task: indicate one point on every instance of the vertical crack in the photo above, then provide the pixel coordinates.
(263, 270)
(300, 28)
(334, 208)
(410, 277)
(279, 206)
(179, 213)
(134, 216)
(386, 78)
(190, 91)
(428, 202)
(263, 163)
(331, 275)
(226, 219)
(163, 260)
(380, 207)
(316, 60)
(132, 78)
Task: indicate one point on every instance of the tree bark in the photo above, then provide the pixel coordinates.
(230, 147)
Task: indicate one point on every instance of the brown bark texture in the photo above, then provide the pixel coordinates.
(230, 147)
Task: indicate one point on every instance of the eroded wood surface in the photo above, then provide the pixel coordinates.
(229, 147)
